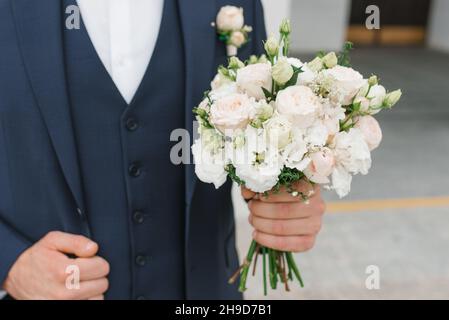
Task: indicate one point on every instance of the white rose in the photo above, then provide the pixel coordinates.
(278, 131)
(259, 178)
(316, 135)
(256, 163)
(321, 166)
(370, 128)
(346, 82)
(299, 104)
(376, 95)
(230, 18)
(351, 151)
(294, 153)
(237, 39)
(209, 167)
(232, 112)
(252, 78)
(341, 181)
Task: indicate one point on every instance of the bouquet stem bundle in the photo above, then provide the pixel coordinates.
(281, 267)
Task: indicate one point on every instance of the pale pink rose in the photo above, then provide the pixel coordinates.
(252, 78)
(232, 112)
(237, 39)
(372, 133)
(346, 82)
(321, 166)
(230, 18)
(299, 104)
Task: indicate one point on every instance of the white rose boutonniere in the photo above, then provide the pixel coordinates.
(231, 28)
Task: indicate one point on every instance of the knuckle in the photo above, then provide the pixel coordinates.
(59, 272)
(52, 236)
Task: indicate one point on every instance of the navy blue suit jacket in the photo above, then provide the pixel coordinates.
(40, 183)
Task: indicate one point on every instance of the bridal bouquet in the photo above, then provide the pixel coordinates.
(272, 121)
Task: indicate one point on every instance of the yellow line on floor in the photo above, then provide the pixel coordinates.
(385, 204)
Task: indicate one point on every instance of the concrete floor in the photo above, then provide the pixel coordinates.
(410, 246)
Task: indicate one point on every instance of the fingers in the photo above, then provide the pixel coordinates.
(285, 243)
(71, 244)
(90, 289)
(291, 227)
(286, 210)
(247, 194)
(92, 268)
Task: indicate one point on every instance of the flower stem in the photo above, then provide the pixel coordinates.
(255, 259)
(292, 264)
(245, 266)
(264, 265)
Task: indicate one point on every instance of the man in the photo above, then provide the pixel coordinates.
(86, 181)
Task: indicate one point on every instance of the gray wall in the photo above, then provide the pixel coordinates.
(439, 25)
(319, 24)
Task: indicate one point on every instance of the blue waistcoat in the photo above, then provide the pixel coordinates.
(75, 158)
(132, 190)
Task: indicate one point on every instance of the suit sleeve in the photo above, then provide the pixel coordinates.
(11, 247)
(260, 33)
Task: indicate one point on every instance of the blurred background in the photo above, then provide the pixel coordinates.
(396, 220)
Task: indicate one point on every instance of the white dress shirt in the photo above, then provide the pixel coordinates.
(124, 34)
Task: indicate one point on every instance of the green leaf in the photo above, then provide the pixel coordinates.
(343, 57)
(267, 94)
(294, 79)
(230, 169)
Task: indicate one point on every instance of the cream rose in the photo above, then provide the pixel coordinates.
(252, 78)
(230, 18)
(299, 104)
(232, 112)
(346, 82)
(371, 131)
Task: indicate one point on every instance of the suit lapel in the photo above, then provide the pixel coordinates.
(39, 29)
(199, 45)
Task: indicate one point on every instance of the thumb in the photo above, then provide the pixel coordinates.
(71, 244)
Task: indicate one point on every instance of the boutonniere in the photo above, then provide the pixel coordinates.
(231, 28)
